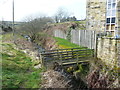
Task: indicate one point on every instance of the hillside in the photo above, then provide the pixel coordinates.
(78, 25)
(18, 67)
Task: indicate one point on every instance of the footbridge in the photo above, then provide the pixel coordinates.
(65, 57)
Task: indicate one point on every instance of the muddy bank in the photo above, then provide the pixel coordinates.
(58, 77)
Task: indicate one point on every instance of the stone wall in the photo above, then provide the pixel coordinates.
(108, 50)
(96, 10)
(118, 51)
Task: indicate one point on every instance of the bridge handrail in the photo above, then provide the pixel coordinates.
(60, 49)
(65, 51)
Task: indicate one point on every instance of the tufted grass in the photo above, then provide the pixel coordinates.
(17, 69)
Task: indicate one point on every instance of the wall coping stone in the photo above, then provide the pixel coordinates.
(112, 38)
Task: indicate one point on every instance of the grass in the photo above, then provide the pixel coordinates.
(9, 36)
(80, 22)
(63, 44)
(17, 69)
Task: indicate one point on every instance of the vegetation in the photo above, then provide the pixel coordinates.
(80, 22)
(9, 37)
(62, 15)
(17, 69)
(80, 25)
(32, 26)
(69, 35)
(102, 75)
(62, 43)
(83, 69)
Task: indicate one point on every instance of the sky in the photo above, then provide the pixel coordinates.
(26, 8)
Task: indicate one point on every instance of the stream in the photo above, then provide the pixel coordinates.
(58, 77)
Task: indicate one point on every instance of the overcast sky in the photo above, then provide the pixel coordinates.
(24, 8)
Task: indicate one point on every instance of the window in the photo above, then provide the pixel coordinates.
(108, 12)
(109, 6)
(109, 1)
(111, 14)
(108, 20)
(113, 0)
(112, 26)
(107, 27)
(113, 5)
(113, 20)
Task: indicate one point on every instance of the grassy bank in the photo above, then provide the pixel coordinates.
(63, 43)
(17, 69)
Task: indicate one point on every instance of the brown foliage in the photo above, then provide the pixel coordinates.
(97, 80)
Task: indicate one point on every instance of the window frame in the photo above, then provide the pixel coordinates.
(111, 12)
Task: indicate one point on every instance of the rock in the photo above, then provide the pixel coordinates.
(37, 58)
(38, 66)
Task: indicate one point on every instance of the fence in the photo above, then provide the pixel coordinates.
(86, 38)
(59, 33)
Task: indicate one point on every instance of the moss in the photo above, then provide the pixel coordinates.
(84, 69)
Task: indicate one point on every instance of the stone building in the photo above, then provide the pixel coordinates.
(103, 15)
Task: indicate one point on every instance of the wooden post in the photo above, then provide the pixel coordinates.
(42, 60)
(58, 54)
(61, 59)
(86, 52)
(95, 47)
(67, 55)
(77, 57)
(72, 53)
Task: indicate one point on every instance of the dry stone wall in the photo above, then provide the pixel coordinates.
(108, 50)
(118, 51)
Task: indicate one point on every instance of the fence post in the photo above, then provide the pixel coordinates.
(42, 60)
(60, 58)
(72, 53)
(86, 51)
(77, 57)
(95, 46)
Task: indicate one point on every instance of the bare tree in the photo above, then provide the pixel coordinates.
(32, 26)
(61, 15)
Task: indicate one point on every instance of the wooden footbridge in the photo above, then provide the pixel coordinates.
(66, 56)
